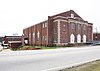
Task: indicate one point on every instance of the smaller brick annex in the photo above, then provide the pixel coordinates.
(96, 36)
(60, 29)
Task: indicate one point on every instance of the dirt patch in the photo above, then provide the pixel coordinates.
(90, 66)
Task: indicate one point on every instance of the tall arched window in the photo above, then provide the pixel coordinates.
(84, 38)
(78, 38)
(72, 38)
(38, 35)
(33, 36)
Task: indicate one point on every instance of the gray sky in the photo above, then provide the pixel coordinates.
(15, 15)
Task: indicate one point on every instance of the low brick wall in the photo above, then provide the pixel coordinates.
(14, 45)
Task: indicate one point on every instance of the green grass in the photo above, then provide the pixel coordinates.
(91, 66)
(44, 47)
(22, 48)
(27, 47)
(31, 47)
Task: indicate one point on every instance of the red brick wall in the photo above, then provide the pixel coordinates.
(90, 33)
(39, 28)
(33, 39)
(44, 33)
(96, 35)
(51, 32)
(26, 33)
(63, 32)
(14, 45)
(30, 36)
(55, 37)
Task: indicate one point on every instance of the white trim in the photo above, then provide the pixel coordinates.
(70, 20)
(75, 21)
(60, 17)
(78, 38)
(86, 24)
(14, 41)
(58, 31)
(84, 38)
(72, 38)
(60, 20)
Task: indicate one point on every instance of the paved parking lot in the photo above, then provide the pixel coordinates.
(2, 49)
(5, 50)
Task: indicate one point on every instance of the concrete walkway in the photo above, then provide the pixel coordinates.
(6, 50)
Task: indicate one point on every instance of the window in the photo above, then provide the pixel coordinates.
(33, 36)
(79, 25)
(64, 25)
(25, 32)
(26, 40)
(38, 35)
(84, 27)
(72, 38)
(72, 25)
(45, 38)
(43, 25)
(84, 38)
(78, 38)
(72, 15)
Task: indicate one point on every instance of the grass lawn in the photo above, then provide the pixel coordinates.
(43, 47)
(91, 66)
(32, 47)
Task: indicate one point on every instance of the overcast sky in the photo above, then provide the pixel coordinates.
(15, 15)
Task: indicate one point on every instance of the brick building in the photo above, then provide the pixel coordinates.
(96, 36)
(60, 29)
(12, 41)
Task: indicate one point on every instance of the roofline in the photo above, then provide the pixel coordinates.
(12, 36)
(35, 24)
(55, 16)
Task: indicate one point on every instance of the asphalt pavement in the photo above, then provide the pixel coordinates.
(47, 60)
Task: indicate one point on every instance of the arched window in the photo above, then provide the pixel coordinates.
(78, 38)
(38, 35)
(72, 38)
(33, 36)
(84, 38)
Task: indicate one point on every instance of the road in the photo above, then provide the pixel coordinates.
(1, 48)
(47, 60)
